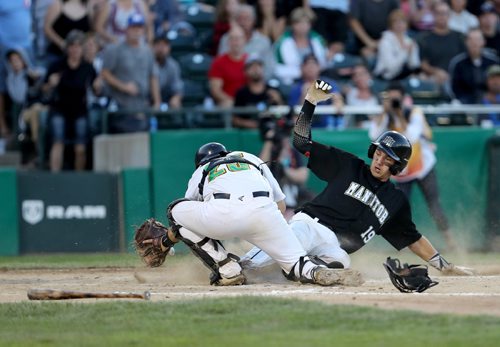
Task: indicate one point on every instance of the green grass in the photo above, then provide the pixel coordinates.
(243, 321)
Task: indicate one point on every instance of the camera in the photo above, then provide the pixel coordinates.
(396, 103)
(282, 126)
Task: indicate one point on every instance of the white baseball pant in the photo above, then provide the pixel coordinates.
(254, 219)
(315, 238)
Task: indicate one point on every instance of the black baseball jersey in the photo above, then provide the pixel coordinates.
(356, 205)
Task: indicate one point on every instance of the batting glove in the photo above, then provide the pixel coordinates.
(319, 91)
(449, 269)
(455, 270)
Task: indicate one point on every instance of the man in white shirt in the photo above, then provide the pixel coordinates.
(460, 19)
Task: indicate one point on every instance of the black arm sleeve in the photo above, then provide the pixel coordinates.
(302, 130)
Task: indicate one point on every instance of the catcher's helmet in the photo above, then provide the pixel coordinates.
(396, 146)
(208, 152)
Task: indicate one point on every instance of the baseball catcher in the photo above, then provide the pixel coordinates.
(152, 242)
(408, 278)
(233, 194)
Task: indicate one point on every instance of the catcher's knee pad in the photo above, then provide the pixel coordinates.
(212, 245)
(171, 220)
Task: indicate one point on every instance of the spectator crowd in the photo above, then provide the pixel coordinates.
(65, 63)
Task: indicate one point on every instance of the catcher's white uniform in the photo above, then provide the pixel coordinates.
(239, 200)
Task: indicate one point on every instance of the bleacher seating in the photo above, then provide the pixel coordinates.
(172, 120)
(423, 91)
(378, 86)
(340, 68)
(210, 120)
(205, 39)
(283, 88)
(196, 92)
(199, 16)
(195, 66)
(182, 42)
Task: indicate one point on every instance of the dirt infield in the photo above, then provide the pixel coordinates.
(186, 279)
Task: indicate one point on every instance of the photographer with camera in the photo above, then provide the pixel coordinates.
(255, 93)
(285, 162)
(420, 170)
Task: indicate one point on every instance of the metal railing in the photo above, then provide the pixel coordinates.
(217, 117)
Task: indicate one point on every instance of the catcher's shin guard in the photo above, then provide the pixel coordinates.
(203, 250)
(218, 280)
(207, 250)
(301, 271)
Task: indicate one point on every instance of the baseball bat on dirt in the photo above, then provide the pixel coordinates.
(51, 294)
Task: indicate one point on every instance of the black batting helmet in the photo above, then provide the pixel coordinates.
(396, 146)
(208, 152)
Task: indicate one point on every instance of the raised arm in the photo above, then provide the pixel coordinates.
(318, 91)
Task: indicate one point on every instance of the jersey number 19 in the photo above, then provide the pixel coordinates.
(368, 234)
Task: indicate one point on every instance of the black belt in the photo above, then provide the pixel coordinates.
(318, 220)
(228, 196)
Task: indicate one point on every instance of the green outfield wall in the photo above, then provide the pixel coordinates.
(462, 171)
(9, 225)
(137, 203)
(26, 197)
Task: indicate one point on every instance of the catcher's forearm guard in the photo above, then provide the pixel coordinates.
(408, 278)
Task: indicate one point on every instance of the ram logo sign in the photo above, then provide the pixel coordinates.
(76, 212)
(34, 211)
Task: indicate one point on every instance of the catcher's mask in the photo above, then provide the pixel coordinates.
(396, 146)
(208, 152)
(408, 278)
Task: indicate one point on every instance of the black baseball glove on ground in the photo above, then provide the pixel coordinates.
(408, 278)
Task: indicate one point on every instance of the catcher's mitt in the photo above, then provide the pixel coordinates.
(408, 278)
(148, 242)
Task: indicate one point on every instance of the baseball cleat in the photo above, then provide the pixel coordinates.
(231, 281)
(337, 277)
